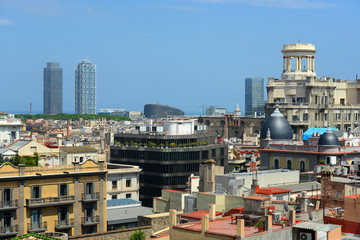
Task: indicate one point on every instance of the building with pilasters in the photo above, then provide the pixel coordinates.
(308, 101)
(69, 199)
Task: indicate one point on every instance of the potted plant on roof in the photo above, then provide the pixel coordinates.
(260, 225)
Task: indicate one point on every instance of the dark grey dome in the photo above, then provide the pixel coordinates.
(278, 125)
(328, 138)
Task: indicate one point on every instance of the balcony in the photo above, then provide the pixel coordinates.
(8, 231)
(50, 201)
(91, 197)
(90, 221)
(66, 224)
(37, 227)
(9, 205)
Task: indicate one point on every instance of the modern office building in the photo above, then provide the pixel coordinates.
(254, 96)
(215, 111)
(307, 101)
(53, 88)
(67, 198)
(85, 88)
(167, 158)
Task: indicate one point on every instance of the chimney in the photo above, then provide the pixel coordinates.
(212, 212)
(240, 228)
(210, 176)
(102, 165)
(205, 223)
(68, 130)
(268, 223)
(30, 108)
(303, 201)
(292, 217)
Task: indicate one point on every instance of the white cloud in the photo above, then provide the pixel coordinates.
(4, 22)
(295, 4)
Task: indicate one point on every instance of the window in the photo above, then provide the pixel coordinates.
(349, 117)
(276, 164)
(81, 159)
(89, 213)
(305, 117)
(128, 182)
(295, 118)
(128, 195)
(113, 196)
(7, 197)
(63, 190)
(279, 197)
(35, 218)
(89, 190)
(7, 222)
(289, 164)
(222, 152)
(325, 116)
(114, 184)
(76, 159)
(62, 160)
(316, 116)
(213, 153)
(302, 166)
(342, 101)
(36, 192)
(63, 215)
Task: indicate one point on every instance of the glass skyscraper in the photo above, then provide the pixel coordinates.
(85, 88)
(254, 96)
(53, 88)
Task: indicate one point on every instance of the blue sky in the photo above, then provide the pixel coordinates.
(183, 53)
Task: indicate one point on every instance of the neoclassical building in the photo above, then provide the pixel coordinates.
(308, 101)
(278, 150)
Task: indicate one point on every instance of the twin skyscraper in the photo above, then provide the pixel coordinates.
(85, 88)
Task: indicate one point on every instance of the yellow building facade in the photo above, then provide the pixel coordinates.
(69, 199)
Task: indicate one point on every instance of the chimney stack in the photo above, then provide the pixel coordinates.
(240, 228)
(292, 217)
(205, 223)
(30, 108)
(212, 212)
(210, 176)
(68, 130)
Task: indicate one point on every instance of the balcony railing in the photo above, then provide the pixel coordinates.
(90, 197)
(93, 220)
(68, 223)
(9, 230)
(50, 201)
(37, 226)
(7, 205)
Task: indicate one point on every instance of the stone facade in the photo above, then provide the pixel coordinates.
(307, 101)
(230, 125)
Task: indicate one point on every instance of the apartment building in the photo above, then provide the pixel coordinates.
(69, 199)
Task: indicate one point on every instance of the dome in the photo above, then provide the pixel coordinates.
(328, 138)
(278, 125)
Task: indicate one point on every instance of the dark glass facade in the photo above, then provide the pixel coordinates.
(254, 96)
(53, 88)
(163, 167)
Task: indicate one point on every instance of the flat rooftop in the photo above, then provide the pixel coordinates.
(222, 226)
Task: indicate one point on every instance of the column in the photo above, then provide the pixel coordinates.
(308, 64)
(313, 64)
(77, 208)
(288, 64)
(21, 208)
(283, 64)
(297, 64)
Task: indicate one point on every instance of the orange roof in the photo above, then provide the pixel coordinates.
(257, 198)
(271, 191)
(197, 215)
(353, 196)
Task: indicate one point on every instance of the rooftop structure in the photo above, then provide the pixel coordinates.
(9, 130)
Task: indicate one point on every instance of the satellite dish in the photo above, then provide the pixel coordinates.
(286, 206)
(310, 216)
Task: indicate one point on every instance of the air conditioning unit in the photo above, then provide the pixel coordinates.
(277, 217)
(305, 236)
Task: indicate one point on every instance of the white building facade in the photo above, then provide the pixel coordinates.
(9, 130)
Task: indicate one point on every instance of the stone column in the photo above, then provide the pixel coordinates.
(77, 207)
(308, 64)
(284, 64)
(297, 64)
(313, 64)
(22, 207)
(288, 64)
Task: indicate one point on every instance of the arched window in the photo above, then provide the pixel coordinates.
(302, 166)
(276, 164)
(289, 164)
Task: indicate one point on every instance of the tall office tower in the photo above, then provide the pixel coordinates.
(53, 88)
(254, 96)
(85, 88)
